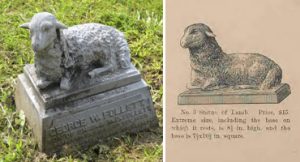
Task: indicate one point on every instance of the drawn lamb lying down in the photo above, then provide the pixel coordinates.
(214, 69)
(61, 51)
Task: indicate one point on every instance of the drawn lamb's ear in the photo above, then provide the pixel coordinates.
(210, 34)
(25, 25)
(60, 25)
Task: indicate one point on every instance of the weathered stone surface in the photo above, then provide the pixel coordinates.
(62, 53)
(82, 87)
(87, 120)
(233, 96)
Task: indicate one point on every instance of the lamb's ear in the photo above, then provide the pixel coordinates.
(25, 25)
(210, 34)
(60, 25)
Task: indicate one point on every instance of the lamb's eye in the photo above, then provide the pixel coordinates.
(45, 28)
(193, 31)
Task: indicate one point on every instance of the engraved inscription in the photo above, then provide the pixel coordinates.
(66, 127)
(123, 109)
(101, 122)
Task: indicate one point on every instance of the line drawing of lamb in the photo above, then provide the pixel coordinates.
(60, 50)
(214, 69)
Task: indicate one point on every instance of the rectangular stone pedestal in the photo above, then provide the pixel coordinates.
(85, 86)
(88, 120)
(233, 96)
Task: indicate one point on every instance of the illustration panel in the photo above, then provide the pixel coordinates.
(218, 77)
(232, 84)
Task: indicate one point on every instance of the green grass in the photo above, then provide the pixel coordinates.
(141, 21)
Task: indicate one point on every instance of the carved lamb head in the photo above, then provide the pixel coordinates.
(44, 29)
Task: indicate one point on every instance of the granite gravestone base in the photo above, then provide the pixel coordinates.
(78, 118)
(197, 96)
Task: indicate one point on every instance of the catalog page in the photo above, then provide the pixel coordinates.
(232, 80)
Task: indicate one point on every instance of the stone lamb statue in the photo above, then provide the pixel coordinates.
(213, 69)
(62, 52)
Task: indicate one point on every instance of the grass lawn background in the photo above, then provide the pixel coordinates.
(140, 20)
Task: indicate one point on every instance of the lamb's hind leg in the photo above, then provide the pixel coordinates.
(272, 79)
(238, 87)
(98, 71)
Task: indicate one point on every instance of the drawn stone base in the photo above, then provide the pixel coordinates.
(81, 118)
(233, 96)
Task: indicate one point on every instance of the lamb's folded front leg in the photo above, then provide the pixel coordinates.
(66, 80)
(211, 84)
(42, 82)
(196, 81)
